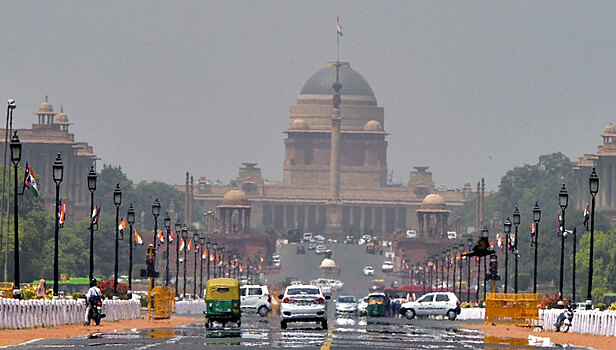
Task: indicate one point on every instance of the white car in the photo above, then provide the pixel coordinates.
(346, 304)
(411, 233)
(303, 303)
(387, 266)
(432, 304)
(362, 307)
(368, 271)
(255, 298)
(320, 249)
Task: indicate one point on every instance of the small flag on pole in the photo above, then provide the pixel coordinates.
(95, 213)
(30, 181)
(171, 236)
(204, 255)
(211, 256)
(122, 226)
(161, 238)
(532, 234)
(559, 229)
(586, 217)
(61, 213)
(138, 239)
(189, 245)
(181, 243)
(338, 26)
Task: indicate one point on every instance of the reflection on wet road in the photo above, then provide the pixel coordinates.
(344, 332)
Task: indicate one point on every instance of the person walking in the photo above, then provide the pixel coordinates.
(397, 304)
(41, 289)
(387, 305)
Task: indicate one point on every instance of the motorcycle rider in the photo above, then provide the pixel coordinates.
(563, 315)
(94, 291)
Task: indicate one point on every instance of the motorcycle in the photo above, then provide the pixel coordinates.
(564, 320)
(96, 310)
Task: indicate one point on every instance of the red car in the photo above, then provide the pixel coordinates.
(301, 249)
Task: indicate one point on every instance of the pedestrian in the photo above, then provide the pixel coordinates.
(41, 289)
(392, 307)
(387, 305)
(398, 303)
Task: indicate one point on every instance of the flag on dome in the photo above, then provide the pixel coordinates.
(138, 239)
(338, 26)
(30, 181)
(586, 217)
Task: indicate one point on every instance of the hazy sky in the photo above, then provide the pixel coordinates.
(470, 88)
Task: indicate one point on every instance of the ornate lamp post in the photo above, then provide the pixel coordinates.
(468, 276)
(58, 174)
(178, 229)
(461, 249)
(195, 251)
(117, 200)
(435, 268)
(9, 117)
(130, 217)
(155, 213)
(507, 229)
(185, 237)
(563, 200)
(593, 184)
(448, 258)
(516, 223)
(485, 234)
(92, 188)
(536, 219)
(15, 146)
(208, 244)
(215, 252)
(201, 249)
(168, 229)
(455, 263)
(443, 263)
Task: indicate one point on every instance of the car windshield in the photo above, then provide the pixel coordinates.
(300, 291)
(346, 299)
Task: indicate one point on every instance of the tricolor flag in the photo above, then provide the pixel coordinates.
(138, 239)
(586, 217)
(30, 181)
(171, 236)
(121, 228)
(189, 245)
(241, 268)
(499, 241)
(211, 256)
(559, 229)
(61, 212)
(511, 241)
(161, 237)
(338, 26)
(533, 232)
(197, 247)
(95, 212)
(204, 255)
(261, 258)
(181, 243)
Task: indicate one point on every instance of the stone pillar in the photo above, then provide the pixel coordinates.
(420, 219)
(186, 200)
(240, 221)
(477, 208)
(247, 221)
(334, 164)
(483, 198)
(191, 200)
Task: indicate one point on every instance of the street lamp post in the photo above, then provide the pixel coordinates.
(195, 250)
(455, 263)
(9, 118)
(155, 213)
(178, 229)
(215, 253)
(593, 184)
(92, 188)
(448, 257)
(130, 217)
(16, 158)
(536, 219)
(563, 200)
(444, 255)
(460, 262)
(484, 233)
(436, 259)
(185, 237)
(516, 223)
(58, 174)
(468, 275)
(507, 229)
(168, 229)
(574, 234)
(117, 200)
(202, 248)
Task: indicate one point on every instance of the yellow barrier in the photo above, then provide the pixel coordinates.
(162, 302)
(6, 290)
(520, 309)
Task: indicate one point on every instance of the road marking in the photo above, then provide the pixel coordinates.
(328, 342)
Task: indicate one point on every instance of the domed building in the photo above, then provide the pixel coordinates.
(318, 194)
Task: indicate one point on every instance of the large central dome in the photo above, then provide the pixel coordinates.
(320, 83)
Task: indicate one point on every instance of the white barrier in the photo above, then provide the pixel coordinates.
(193, 307)
(475, 313)
(17, 314)
(584, 321)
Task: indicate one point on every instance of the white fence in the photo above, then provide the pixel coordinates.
(16, 314)
(193, 307)
(475, 313)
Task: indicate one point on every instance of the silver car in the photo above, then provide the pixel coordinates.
(303, 303)
(346, 304)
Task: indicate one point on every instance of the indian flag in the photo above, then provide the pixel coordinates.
(204, 255)
(189, 245)
(138, 239)
(161, 237)
(122, 226)
(211, 256)
(181, 243)
(61, 212)
(171, 236)
(30, 181)
(95, 213)
(338, 26)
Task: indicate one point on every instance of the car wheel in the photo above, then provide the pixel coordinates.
(451, 315)
(324, 324)
(409, 314)
(262, 311)
(283, 324)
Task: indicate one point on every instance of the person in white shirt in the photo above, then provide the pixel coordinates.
(94, 291)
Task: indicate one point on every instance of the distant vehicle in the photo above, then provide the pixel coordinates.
(346, 304)
(370, 249)
(362, 307)
(368, 271)
(387, 266)
(255, 298)
(411, 233)
(367, 238)
(377, 285)
(287, 281)
(297, 283)
(349, 240)
(303, 303)
(319, 238)
(320, 249)
(312, 246)
(307, 236)
(452, 235)
(301, 249)
(444, 304)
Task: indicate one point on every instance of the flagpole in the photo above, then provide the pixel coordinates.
(338, 47)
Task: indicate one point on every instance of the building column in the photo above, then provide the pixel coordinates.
(420, 219)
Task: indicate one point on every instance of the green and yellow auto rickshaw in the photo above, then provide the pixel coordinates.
(222, 301)
(376, 304)
(370, 249)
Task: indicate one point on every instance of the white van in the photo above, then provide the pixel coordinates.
(307, 236)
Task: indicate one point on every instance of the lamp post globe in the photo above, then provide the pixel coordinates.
(507, 230)
(117, 200)
(593, 184)
(178, 230)
(536, 219)
(15, 146)
(58, 174)
(563, 200)
(92, 188)
(130, 218)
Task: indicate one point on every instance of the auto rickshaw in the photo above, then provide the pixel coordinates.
(376, 304)
(370, 248)
(222, 301)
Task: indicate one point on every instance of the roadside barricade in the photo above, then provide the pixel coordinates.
(162, 302)
(521, 309)
(193, 307)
